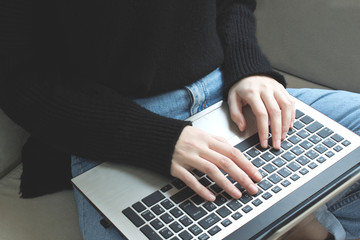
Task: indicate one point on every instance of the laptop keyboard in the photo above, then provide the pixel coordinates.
(185, 215)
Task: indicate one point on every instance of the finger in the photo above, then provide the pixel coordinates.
(286, 112)
(232, 161)
(262, 120)
(275, 118)
(236, 112)
(192, 182)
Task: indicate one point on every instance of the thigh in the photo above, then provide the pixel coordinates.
(341, 106)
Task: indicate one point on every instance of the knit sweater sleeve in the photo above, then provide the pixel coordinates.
(88, 119)
(237, 30)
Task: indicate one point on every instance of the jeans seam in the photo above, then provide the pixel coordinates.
(343, 202)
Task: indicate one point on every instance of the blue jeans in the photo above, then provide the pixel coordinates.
(181, 104)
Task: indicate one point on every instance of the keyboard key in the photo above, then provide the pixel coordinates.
(226, 222)
(204, 181)
(267, 156)
(157, 224)
(293, 166)
(306, 145)
(185, 235)
(182, 195)
(284, 172)
(337, 137)
(346, 143)
(167, 204)
(274, 178)
(166, 233)
(286, 145)
(286, 183)
(248, 143)
(253, 152)
(298, 125)
(214, 230)
(312, 154)
(223, 211)
(245, 198)
(306, 119)
(192, 210)
(234, 204)
(230, 179)
(278, 162)
(312, 165)
(321, 159)
(294, 139)
(288, 156)
(338, 148)
(149, 233)
(133, 217)
(276, 189)
(195, 229)
(209, 221)
(325, 132)
(256, 202)
(297, 150)
(263, 173)
(266, 195)
(197, 199)
(166, 188)
(185, 220)
(178, 183)
(220, 200)
(320, 148)
(176, 227)
(148, 215)
(209, 206)
(269, 168)
(258, 162)
(246, 209)
(216, 188)
(315, 139)
(304, 171)
(157, 209)
(314, 127)
(236, 215)
(303, 134)
(204, 236)
(303, 160)
(166, 218)
(295, 177)
(298, 114)
(198, 173)
(153, 198)
(329, 154)
(139, 207)
(265, 184)
(291, 131)
(176, 212)
(329, 143)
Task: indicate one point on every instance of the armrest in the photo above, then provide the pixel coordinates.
(315, 40)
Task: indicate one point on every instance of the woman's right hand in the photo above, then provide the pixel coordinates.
(207, 153)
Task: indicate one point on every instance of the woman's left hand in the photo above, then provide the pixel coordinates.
(268, 99)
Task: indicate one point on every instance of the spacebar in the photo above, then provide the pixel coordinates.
(247, 143)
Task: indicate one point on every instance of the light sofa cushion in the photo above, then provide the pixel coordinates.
(315, 40)
(12, 138)
(52, 216)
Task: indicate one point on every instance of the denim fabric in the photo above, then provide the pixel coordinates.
(340, 216)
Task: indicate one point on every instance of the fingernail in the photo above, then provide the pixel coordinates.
(236, 193)
(211, 197)
(277, 144)
(253, 189)
(265, 143)
(258, 176)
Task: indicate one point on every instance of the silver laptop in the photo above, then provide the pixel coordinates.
(318, 159)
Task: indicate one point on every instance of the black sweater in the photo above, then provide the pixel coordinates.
(70, 68)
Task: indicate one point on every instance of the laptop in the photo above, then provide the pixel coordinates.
(318, 159)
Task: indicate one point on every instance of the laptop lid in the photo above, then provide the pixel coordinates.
(114, 188)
